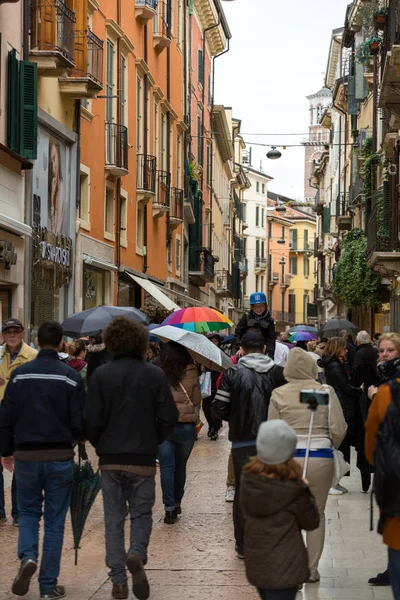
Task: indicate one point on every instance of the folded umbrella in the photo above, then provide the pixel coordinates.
(334, 326)
(199, 319)
(199, 347)
(94, 320)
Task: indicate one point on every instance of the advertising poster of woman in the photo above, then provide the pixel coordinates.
(56, 189)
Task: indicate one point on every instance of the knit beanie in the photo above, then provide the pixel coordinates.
(276, 442)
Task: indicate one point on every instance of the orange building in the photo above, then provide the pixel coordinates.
(278, 227)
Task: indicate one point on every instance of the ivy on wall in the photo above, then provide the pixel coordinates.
(355, 284)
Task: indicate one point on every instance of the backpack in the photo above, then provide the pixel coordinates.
(387, 458)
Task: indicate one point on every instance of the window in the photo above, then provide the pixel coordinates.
(179, 36)
(244, 212)
(208, 165)
(257, 216)
(270, 268)
(209, 90)
(257, 248)
(306, 245)
(169, 256)
(262, 283)
(199, 141)
(293, 239)
(109, 81)
(139, 115)
(306, 267)
(177, 254)
(156, 128)
(109, 212)
(270, 229)
(84, 206)
(293, 265)
(305, 308)
(178, 161)
(283, 233)
(262, 248)
(139, 227)
(201, 67)
(292, 307)
(257, 187)
(123, 208)
(93, 287)
(163, 142)
(122, 92)
(262, 218)
(263, 188)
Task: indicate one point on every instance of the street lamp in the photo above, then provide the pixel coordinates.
(274, 154)
(282, 262)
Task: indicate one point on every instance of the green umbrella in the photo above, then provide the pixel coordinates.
(85, 487)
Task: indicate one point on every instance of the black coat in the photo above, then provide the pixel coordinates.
(336, 376)
(365, 371)
(244, 394)
(96, 356)
(42, 406)
(130, 410)
(264, 324)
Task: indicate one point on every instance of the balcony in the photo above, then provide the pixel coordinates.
(383, 244)
(85, 81)
(201, 266)
(283, 317)
(52, 37)
(223, 284)
(145, 10)
(145, 177)
(116, 149)
(243, 268)
(286, 281)
(188, 203)
(260, 264)
(390, 60)
(237, 205)
(343, 218)
(162, 198)
(318, 246)
(162, 34)
(273, 281)
(176, 208)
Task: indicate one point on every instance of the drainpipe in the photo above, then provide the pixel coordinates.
(145, 215)
(78, 198)
(169, 141)
(28, 194)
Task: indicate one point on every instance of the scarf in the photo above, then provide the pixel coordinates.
(390, 369)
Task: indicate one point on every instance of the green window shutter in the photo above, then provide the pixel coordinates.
(28, 109)
(360, 88)
(201, 67)
(12, 102)
(294, 244)
(352, 104)
(386, 206)
(327, 219)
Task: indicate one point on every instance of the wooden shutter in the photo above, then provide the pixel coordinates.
(12, 102)
(201, 67)
(28, 109)
(257, 248)
(306, 246)
(327, 219)
(294, 239)
(257, 216)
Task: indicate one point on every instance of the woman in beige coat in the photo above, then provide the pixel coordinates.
(328, 432)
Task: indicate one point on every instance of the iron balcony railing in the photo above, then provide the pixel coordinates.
(88, 56)
(148, 3)
(176, 207)
(342, 205)
(116, 146)
(201, 260)
(260, 262)
(237, 205)
(162, 21)
(146, 167)
(381, 226)
(288, 317)
(224, 282)
(52, 27)
(391, 35)
(163, 191)
(244, 266)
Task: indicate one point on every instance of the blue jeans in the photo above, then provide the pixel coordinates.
(50, 482)
(394, 572)
(14, 504)
(173, 455)
(287, 594)
(118, 489)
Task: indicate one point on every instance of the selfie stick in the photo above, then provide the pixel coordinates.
(309, 439)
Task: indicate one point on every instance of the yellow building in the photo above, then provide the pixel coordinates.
(302, 265)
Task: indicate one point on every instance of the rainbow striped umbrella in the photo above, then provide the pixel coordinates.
(198, 319)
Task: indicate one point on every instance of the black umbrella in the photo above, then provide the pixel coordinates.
(94, 320)
(334, 326)
(85, 487)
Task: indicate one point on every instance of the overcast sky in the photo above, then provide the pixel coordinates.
(277, 57)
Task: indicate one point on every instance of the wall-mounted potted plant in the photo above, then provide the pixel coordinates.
(380, 18)
(374, 44)
(368, 48)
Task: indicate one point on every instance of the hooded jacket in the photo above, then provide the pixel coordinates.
(336, 376)
(275, 512)
(301, 373)
(244, 394)
(264, 324)
(187, 395)
(96, 356)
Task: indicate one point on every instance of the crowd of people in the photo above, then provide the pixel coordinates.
(138, 405)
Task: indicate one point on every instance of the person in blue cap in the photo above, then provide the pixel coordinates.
(258, 318)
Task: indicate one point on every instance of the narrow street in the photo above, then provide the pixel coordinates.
(195, 559)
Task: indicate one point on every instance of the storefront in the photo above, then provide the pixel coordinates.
(53, 217)
(95, 273)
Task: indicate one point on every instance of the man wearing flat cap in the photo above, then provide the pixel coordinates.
(14, 354)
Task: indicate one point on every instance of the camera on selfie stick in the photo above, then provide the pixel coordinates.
(313, 398)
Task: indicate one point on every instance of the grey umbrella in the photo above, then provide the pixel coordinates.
(334, 326)
(94, 320)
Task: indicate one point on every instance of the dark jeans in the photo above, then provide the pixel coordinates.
(173, 455)
(51, 482)
(287, 594)
(345, 448)
(240, 457)
(394, 572)
(213, 423)
(14, 504)
(138, 491)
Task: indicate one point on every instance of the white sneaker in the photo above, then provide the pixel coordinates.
(314, 576)
(335, 491)
(230, 494)
(342, 488)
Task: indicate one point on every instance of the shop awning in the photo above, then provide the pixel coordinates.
(154, 291)
(99, 263)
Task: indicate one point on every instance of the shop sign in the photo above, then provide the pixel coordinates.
(55, 254)
(52, 257)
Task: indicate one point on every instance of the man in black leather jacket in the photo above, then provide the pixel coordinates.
(243, 400)
(258, 318)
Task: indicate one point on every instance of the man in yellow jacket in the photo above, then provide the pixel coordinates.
(14, 354)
